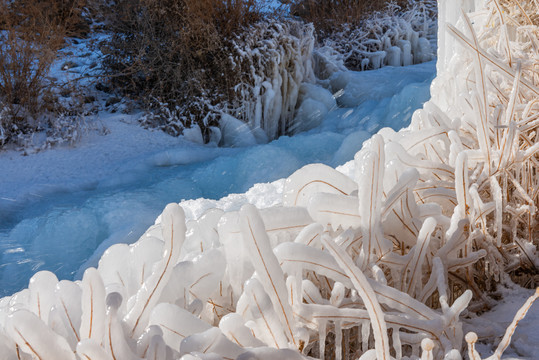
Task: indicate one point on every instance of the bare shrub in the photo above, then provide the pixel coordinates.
(326, 14)
(31, 33)
(64, 16)
(27, 49)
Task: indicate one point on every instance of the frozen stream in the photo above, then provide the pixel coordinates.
(67, 227)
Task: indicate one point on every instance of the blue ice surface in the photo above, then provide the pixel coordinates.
(63, 230)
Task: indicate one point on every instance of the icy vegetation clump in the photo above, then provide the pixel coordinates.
(391, 37)
(376, 265)
(271, 59)
(275, 58)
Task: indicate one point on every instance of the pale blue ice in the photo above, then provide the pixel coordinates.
(64, 229)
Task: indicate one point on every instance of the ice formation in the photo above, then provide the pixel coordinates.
(391, 37)
(379, 265)
(277, 56)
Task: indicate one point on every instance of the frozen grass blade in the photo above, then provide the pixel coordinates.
(266, 265)
(368, 296)
(415, 265)
(482, 120)
(370, 170)
(34, 337)
(504, 69)
(148, 295)
(312, 179)
(93, 306)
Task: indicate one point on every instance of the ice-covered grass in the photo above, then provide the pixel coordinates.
(275, 58)
(375, 261)
(393, 37)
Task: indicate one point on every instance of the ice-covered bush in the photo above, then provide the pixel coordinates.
(274, 58)
(191, 61)
(394, 36)
(378, 263)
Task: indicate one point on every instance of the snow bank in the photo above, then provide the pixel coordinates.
(375, 264)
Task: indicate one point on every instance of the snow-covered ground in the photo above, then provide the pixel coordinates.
(491, 325)
(61, 208)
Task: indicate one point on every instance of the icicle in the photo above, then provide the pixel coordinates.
(322, 332)
(157, 349)
(397, 345)
(498, 200)
(365, 335)
(338, 340)
(394, 56)
(462, 182)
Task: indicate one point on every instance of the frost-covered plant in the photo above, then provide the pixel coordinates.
(174, 119)
(274, 58)
(391, 37)
(493, 100)
(191, 61)
(271, 59)
(376, 265)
